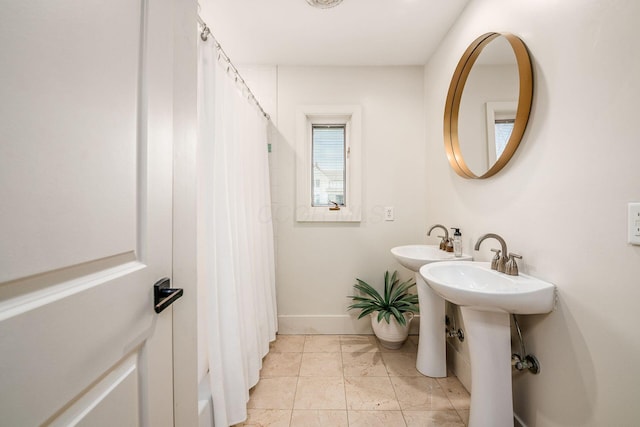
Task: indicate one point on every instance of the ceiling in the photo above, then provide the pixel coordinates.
(357, 32)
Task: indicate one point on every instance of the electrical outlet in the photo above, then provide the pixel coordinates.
(634, 223)
(388, 213)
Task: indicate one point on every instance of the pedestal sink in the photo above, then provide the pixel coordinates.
(487, 298)
(432, 352)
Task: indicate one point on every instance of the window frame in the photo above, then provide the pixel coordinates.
(345, 156)
(349, 116)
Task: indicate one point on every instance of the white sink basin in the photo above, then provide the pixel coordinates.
(486, 298)
(475, 285)
(415, 256)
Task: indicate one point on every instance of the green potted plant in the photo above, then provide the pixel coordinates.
(392, 312)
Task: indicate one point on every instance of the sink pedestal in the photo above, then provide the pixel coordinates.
(432, 353)
(489, 337)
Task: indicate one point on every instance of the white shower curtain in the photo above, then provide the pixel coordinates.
(236, 279)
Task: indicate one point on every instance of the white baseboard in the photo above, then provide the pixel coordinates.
(343, 324)
(205, 404)
(518, 421)
(459, 366)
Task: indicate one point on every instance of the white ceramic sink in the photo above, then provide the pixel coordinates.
(415, 256)
(486, 298)
(475, 285)
(432, 351)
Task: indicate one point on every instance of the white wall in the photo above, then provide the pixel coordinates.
(317, 263)
(562, 200)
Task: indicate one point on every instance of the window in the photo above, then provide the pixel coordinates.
(500, 120)
(328, 163)
(503, 129)
(328, 159)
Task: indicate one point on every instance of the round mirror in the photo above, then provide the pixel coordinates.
(488, 105)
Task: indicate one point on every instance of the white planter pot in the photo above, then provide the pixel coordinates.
(391, 335)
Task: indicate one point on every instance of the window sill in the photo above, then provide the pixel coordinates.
(310, 214)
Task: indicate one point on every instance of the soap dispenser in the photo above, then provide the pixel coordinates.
(457, 242)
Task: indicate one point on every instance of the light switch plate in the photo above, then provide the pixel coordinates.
(634, 223)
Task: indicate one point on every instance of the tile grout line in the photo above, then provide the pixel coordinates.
(455, 408)
(395, 392)
(295, 392)
(344, 381)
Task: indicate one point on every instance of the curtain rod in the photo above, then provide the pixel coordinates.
(204, 35)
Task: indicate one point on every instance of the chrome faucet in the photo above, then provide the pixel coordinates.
(444, 243)
(499, 262)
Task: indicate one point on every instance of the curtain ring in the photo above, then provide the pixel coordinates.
(204, 35)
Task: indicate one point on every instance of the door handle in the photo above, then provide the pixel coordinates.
(163, 295)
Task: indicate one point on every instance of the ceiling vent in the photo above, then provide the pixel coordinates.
(324, 4)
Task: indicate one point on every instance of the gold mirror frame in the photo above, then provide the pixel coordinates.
(454, 96)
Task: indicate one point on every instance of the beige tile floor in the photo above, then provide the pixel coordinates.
(348, 381)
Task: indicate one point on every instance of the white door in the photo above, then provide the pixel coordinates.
(85, 212)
